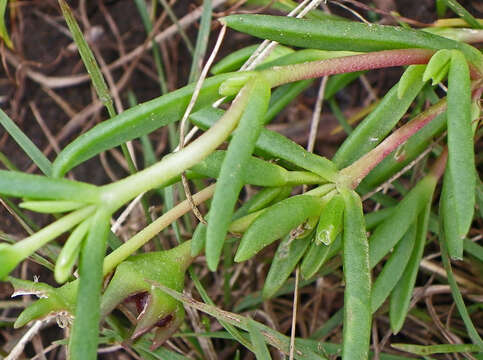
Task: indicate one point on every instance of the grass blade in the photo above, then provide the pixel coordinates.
(460, 176)
(85, 330)
(230, 181)
(402, 293)
(26, 144)
(463, 13)
(88, 58)
(259, 346)
(357, 275)
(3, 29)
(436, 349)
(457, 297)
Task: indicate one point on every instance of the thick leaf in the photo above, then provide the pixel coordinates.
(438, 66)
(134, 122)
(317, 255)
(275, 222)
(85, 330)
(331, 219)
(337, 35)
(393, 269)
(235, 164)
(13, 183)
(402, 293)
(357, 276)
(460, 180)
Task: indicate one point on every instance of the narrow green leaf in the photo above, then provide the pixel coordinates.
(201, 41)
(337, 35)
(317, 255)
(463, 13)
(135, 122)
(357, 276)
(459, 180)
(26, 144)
(85, 330)
(51, 207)
(457, 297)
(393, 269)
(275, 222)
(18, 184)
(87, 57)
(436, 349)
(473, 249)
(259, 346)
(286, 258)
(199, 239)
(402, 293)
(277, 146)
(3, 29)
(409, 76)
(389, 232)
(69, 253)
(230, 181)
(372, 130)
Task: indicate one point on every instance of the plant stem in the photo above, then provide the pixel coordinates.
(116, 194)
(141, 238)
(279, 75)
(355, 172)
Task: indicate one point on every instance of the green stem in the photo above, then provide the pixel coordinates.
(150, 231)
(116, 194)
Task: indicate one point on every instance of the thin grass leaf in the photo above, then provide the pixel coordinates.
(402, 293)
(3, 29)
(230, 181)
(334, 321)
(458, 199)
(259, 346)
(393, 270)
(174, 19)
(286, 258)
(272, 337)
(436, 349)
(473, 249)
(337, 35)
(18, 184)
(275, 222)
(357, 276)
(26, 144)
(87, 58)
(85, 330)
(201, 41)
(457, 297)
(463, 13)
(441, 8)
(372, 130)
(388, 233)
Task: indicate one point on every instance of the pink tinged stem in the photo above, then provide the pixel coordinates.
(360, 168)
(279, 75)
